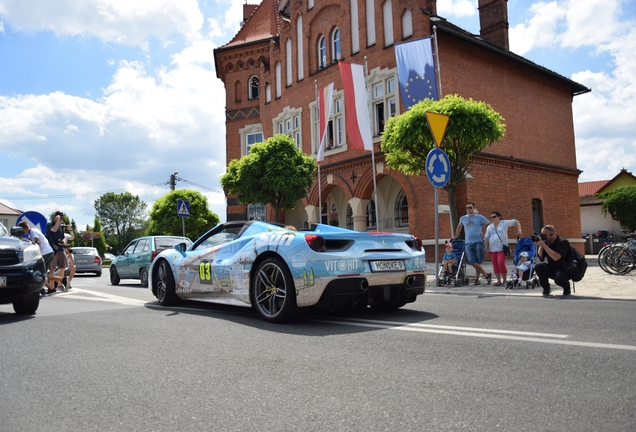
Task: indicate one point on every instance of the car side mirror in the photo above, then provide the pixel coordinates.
(181, 248)
(17, 231)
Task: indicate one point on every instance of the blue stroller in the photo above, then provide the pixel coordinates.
(458, 277)
(529, 276)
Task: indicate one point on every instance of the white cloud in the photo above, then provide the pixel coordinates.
(128, 22)
(538, 31)
(456, 8)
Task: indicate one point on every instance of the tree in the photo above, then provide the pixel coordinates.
(122, 216)
(621, 204)
(274, 172)
(100, 243)
(472, 126)
(164, 218)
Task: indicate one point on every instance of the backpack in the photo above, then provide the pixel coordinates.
(575, 265)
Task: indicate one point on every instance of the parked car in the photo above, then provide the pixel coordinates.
(109, 256)
(277, 270)
(134, 261)
(22, 271)
(87, 260)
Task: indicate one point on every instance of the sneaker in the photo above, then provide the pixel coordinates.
(488, 278)
(43, 293)
(62, 288)
(477, 282)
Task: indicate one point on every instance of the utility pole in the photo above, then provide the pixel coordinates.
(173, 180)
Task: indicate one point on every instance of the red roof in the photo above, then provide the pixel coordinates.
(263, 24)
(591, 187)
(6, 210)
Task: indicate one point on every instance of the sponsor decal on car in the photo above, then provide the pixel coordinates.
(274, 239)
(299, 261)
(341, 265)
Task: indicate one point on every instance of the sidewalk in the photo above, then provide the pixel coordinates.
(596, 284)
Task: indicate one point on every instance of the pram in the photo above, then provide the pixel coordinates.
(458, 277)
(529, 276)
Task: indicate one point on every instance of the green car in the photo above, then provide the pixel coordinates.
(134, 261)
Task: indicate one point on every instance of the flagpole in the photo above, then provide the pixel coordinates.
(375, 186)
(318, 150)
(439, 76)
(439, 96)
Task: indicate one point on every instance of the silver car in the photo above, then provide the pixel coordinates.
(87, 260)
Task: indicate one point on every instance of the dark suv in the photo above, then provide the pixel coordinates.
(22, 271)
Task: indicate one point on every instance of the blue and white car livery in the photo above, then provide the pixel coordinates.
(278, 270)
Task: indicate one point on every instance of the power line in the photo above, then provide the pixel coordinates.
(78, 195)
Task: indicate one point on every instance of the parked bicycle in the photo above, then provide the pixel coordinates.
(618, 258)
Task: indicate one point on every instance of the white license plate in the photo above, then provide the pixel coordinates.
(382, 266)
(3, 282)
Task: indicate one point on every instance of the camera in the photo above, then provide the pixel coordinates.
(535, 238)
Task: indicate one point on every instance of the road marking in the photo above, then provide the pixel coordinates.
(475, 332)
(82, 294)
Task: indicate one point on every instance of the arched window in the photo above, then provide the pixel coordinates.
(288, 62)
(372, 221)
(407, 24)
(537, 215)
(254, 89)
(335, 45)
(349, 217)
(401, 210)
(322, 52)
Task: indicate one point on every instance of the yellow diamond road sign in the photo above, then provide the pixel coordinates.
(437, 123)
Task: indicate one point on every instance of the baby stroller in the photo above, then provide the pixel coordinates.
(458, 277)
(529, 276)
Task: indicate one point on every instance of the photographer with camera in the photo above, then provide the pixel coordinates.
(554, 249)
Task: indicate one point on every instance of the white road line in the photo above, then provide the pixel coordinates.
(82, 294)
(477, 333)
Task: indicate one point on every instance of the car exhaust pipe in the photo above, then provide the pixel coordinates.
(410, 281)
(363, 285)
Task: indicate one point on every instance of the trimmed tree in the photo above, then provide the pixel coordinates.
(275, 172)
(122, 216)
(165, 221)
(472, 126)
(621, 204)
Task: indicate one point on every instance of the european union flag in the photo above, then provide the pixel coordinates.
(416, 71)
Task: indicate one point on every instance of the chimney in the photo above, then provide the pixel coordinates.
(493, 20)
(431, 7)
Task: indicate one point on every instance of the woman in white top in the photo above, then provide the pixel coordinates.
(494, 240)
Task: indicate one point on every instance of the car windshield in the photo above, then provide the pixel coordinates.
(168, 242)
(84, 251)
(3, 231)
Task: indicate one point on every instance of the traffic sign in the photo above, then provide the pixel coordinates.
(437, 167)
(437, 123)
(183, 208)
(34, 220)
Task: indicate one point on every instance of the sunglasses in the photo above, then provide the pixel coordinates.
(469, 208)
(494, 217)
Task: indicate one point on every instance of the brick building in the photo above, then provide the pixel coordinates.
(285, 49)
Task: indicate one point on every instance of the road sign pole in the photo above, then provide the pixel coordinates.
(183, 225)
(436, 237)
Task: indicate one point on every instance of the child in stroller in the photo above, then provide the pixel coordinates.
(448, 260)
(453, 266)
(523, 265)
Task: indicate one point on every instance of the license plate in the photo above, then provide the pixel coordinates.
(3, 282)
(382, 266)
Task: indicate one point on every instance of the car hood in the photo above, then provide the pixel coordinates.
(7, 242)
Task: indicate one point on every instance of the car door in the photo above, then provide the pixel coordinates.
(140, 257)
(122, 264)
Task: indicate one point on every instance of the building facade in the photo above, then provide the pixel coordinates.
(286, 50)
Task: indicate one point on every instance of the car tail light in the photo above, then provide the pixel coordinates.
(315, 242)
(417, 244)
(154, 255)
(97, 260)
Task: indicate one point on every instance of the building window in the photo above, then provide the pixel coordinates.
(322, 53)
(301, 50)
(289, 123)
(256, 212)
(370, 7)
(250, 135)
(387, 16)
(349, 217)
(288, 62)
(268, 93)
(372, 219)
(384, 99)
(407, 24)
(254, 89)
(355, 28)
(401, 210)
(335, 45)
(335, 127)
(278, 81)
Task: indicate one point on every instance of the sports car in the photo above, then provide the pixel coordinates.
(277, 270)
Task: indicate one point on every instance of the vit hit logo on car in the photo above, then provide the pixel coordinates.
(341, 265)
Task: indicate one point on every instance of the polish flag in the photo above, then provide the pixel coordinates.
(325, 99)
(357, 106)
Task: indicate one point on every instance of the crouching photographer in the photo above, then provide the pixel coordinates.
(554, 249)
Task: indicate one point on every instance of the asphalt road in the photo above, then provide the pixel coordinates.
(110, 358)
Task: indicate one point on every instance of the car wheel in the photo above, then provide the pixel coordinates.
(27, 306)
(143, 275)
(272, 291)
(164, 285)
(114, 276)
(98, 274)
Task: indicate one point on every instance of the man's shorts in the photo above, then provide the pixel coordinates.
(59, 261)
(474, 252)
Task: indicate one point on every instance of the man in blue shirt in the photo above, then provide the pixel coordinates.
(473, 223)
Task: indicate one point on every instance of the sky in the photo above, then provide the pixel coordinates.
(102, 96)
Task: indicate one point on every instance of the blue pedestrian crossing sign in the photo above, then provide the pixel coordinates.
(183, 208)
(437, 167)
